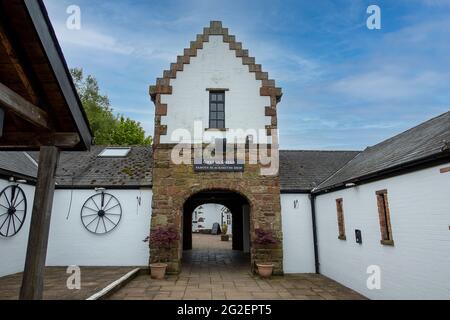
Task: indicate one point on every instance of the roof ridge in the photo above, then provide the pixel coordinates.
(410, 129)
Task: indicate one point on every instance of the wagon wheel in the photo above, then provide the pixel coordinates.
(13, 211)
(101, 213)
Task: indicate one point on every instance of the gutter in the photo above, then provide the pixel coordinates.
(312, 197)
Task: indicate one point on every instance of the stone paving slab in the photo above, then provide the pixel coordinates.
(93, 279)
(211, 272)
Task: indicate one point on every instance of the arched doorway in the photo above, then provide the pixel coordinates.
(236, 203)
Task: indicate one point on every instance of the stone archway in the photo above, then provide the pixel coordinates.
(174, 185)
(239, 206)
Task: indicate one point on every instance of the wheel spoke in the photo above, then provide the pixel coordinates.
(106, 205)
(14, 224)
(103, 200)
(91, 209)
(21, 222)
(21, 201)
(92, 221)
(114, 224)
(104, 225)
(4, 207)
(4, 221)
(9, 224)
(98, 223)
(7, 200)
(113, 207)
(90, 215)
(95, 204)
(113, 214)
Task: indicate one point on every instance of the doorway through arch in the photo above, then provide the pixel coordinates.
(237, 204)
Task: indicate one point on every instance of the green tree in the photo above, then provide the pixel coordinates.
(108, 128)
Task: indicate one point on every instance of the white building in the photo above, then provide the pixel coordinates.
(205, 216)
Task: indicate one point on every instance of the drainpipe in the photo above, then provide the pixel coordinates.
(314, 225)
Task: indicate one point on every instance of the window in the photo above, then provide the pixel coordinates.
(385, 218)
(340, 218)
(114, 153)
(217, 110)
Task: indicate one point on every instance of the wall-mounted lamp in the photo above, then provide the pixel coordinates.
(350, 185)
(100, 189)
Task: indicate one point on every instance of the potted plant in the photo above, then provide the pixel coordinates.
(265, 238)
(225, 237)
(161, 238)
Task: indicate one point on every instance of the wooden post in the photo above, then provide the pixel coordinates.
(2, 119)
(33, 276)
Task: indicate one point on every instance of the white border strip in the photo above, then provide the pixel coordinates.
(113, 285)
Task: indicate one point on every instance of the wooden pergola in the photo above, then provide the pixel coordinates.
(39, 110)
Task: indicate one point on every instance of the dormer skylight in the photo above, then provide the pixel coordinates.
(114, 152)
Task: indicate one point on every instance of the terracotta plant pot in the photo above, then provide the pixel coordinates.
(265, 270)
(158, 270)
(225, 237)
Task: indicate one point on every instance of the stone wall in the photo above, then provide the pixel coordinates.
(174, 184)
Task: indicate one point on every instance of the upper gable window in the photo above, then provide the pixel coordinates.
(217, 110)
(114, 153)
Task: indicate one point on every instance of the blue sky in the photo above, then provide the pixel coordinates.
(345, 87)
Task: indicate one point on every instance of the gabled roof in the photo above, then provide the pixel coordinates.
(427, 142)
(302, 171)
(215, 29)
(163, 85)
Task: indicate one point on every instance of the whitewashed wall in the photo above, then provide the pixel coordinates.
(212, 213)
(216, 66)
(71, 244)
(418, 266)
(13, 250)
(298, 245)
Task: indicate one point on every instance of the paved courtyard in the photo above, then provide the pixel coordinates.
(92, 281)
(212, 272)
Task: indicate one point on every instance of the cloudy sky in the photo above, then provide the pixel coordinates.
(345, 87)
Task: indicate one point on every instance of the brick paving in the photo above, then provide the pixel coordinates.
(213, 273)
(93, 279)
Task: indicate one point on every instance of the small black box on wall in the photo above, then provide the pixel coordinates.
(358, 236)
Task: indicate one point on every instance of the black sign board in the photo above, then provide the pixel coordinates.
(216, 229)
(219, 167)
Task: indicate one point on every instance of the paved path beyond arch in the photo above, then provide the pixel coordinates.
(212, 271)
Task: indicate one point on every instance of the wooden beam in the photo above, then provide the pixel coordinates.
(13, 57)
(33, 276)
(24, 109)
(24, 140)
(2, 120)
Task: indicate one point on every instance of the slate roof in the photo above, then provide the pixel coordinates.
(17, 163)
(86, 169)
(305, 170)
(428, 140)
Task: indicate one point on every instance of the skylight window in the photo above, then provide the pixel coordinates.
(114, 153)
